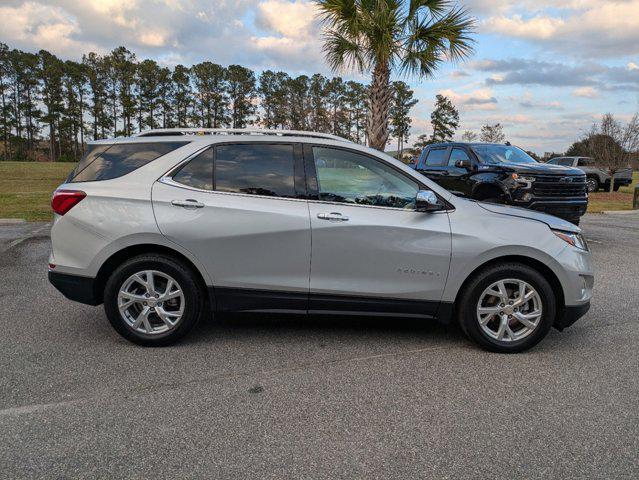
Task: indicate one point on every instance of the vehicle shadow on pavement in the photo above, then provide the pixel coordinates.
(321, 326)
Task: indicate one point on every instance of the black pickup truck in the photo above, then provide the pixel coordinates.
(505, 174)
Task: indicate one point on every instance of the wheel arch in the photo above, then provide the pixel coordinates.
(483, 190)
(120, 256)
(533, 263)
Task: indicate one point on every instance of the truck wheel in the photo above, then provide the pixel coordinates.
(592, 184)
(616, 187)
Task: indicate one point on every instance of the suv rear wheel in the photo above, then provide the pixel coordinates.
(507, 308)
(153, 300)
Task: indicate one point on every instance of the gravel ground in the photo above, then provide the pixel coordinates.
(329, 397)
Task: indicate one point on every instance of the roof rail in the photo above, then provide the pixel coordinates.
(163, 132)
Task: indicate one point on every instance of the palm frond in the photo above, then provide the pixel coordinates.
(341, 51)
(436, 8)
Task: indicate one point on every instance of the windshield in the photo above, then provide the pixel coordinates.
(502, 154)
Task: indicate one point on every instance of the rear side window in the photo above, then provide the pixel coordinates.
(585, 162)
(258, 169)
(436, 157)
(198, 173)
(113, 161)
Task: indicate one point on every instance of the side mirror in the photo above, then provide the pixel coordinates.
(426, 201)
(467, 164)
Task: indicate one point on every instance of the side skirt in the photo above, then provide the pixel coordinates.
(250, 300)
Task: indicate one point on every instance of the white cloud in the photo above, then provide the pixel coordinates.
(480, 99)
(586, 27)
(289, 19)
(585, 92)
(632, 66)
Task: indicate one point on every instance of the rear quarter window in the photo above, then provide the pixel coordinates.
(105, 162)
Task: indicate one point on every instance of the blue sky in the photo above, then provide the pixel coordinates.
(545, 72)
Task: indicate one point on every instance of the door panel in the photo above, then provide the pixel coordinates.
(371, 248)
(379, 252)
(245, 241)
(254, 240)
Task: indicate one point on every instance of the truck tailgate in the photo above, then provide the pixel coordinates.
(625, 173)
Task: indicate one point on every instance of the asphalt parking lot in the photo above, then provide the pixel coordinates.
(293, 397)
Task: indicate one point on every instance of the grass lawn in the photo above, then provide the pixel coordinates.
(26, 187)
(621, 200)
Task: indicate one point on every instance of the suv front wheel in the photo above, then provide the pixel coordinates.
(153, 300)
(507, 308)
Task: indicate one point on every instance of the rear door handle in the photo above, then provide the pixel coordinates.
(333, 217)
(188, 203)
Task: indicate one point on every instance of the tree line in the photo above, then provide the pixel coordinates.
(50, 107)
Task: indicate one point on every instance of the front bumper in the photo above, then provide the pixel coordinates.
(566, 209)
(570, 315)
(76, 288)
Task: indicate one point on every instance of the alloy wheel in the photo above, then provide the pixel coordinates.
(509, 310)
(151, 302)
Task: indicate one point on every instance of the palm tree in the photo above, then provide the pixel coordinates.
(414, 37)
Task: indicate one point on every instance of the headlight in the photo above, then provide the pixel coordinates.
(523, 181)
(574, 239)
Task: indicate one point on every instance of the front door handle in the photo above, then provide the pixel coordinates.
(188, 203)
(333, 217)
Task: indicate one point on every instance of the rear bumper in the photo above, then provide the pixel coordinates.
(76, 288)
(624, 182)
(570, 315)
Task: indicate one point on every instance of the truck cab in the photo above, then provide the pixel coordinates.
(503, 173)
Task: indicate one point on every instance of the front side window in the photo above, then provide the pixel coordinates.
(257, 169)
(197, 173)
(436, 157)
(106, 162)
(457, 154)
(349, 177)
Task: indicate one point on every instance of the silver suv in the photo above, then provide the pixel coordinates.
(169, 225)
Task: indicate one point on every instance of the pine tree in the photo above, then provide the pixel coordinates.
(211, 93)
(241, 88)
(124, 66)
(444, 119)
(493, 133)
(400, 121)
(182, 95)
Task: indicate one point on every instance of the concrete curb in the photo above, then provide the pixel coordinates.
(12, 221)
(621, 212)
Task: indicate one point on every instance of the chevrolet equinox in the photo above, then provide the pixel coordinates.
(168, 225)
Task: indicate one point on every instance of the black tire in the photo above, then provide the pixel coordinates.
(592, 184)
(575, 220)
(194, 298)
(616, 187)
(469, 298)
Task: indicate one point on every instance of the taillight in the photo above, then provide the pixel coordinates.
(65, 200)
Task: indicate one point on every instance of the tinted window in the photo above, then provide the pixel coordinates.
(349, 177)
(198, 173)
(436, 157)
(119, 159)
(256, 169)
(553, 161)
(457, 154)
(566, 162)
(91, 153)
(585, 162)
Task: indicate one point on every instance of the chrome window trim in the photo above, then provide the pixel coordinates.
(169, 181)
